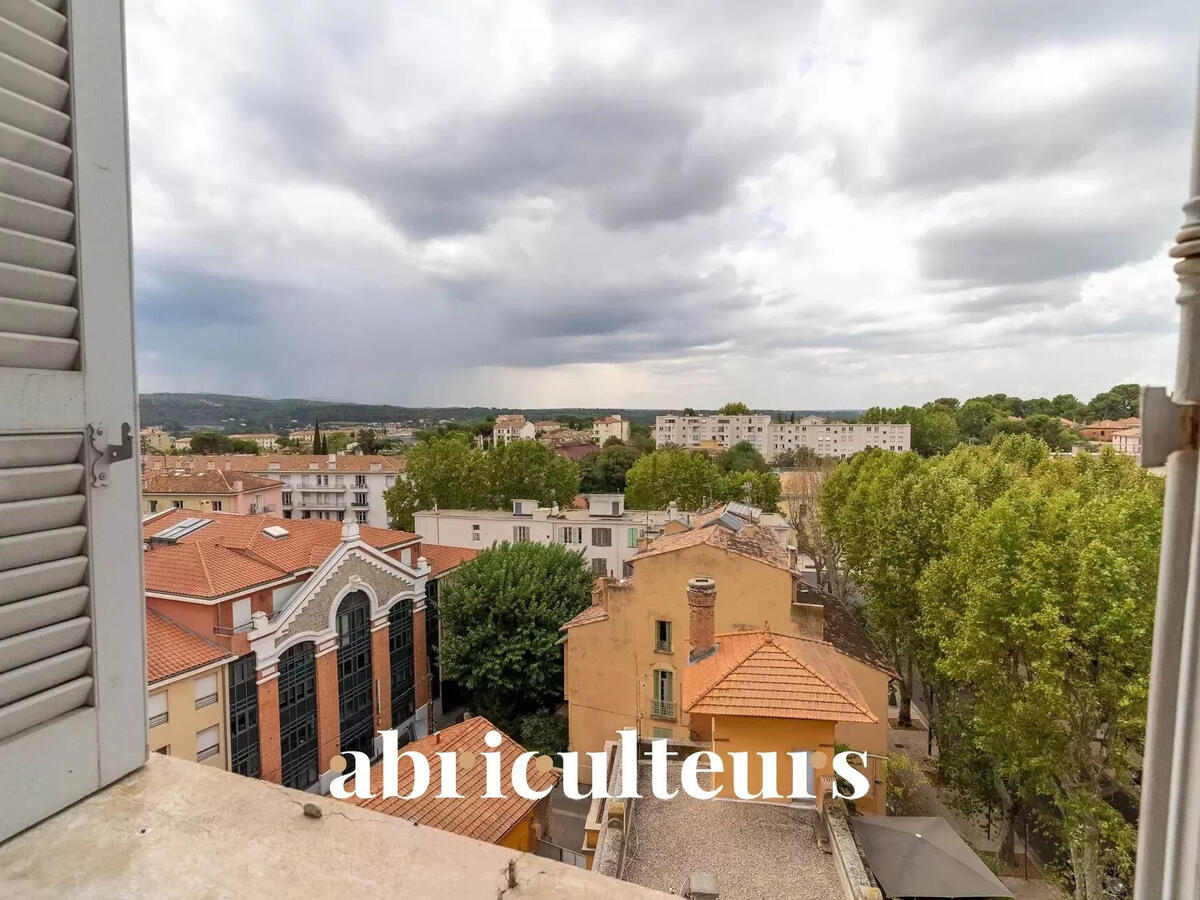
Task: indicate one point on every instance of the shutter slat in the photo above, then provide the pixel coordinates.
(36, 17)
(43, 319)
(31, 82)
(31, 183)
(43, 707)
(43, 675)
(33, 151)
(23, 113)
(33, 581)
(40, 481)
(42, 514)
(33, 217)
(35, 252)
(38, 612)
(31, 48)
(20, 550)
(30, 646)
(25, 351)
(23, 450)
(23, 283)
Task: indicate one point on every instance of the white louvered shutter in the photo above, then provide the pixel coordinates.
(72, 645)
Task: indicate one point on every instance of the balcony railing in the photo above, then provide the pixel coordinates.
(357, 502)
(663, 709)
(262, 509)
(226, 631)
(319, 504)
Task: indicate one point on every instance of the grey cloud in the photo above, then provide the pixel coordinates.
(996, 304)
(1019, 251)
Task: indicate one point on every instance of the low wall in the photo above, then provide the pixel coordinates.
(856, 882)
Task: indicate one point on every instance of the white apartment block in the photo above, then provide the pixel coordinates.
(610, 427)
(263, 440)
(691, 431)
(827, 438)
(606, 533)
(512, 428)
(337, 487)
(837, 438)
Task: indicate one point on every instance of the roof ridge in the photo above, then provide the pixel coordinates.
(820, 677)
(203, 565)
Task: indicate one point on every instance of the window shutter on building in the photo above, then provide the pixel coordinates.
(72, 643)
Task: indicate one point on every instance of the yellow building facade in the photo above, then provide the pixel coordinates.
(625, 656)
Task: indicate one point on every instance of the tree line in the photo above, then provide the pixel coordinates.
(1021, 587)
(941, 425)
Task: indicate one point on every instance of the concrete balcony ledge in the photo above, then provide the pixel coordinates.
(178, 829)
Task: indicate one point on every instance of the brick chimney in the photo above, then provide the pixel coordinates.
(702, 602)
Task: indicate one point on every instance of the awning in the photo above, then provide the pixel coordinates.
(922, 856)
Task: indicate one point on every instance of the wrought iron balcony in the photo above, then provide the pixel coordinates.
(663, 709)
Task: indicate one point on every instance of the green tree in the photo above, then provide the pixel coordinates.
(1118, 402)
(641, 437)
(759, 489)
(735, 409)
(318, 445)
(671, 474)
(742, 457)
(1048, 596)
(528, 470)
(975, 416)
(603, 472)
(334, 442)
(934, 432)
(241, 445)
(446, 471)
(688, 411)
(369, 441)
(500, 614)
(207, 442)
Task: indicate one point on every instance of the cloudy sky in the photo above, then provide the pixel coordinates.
(795, 204)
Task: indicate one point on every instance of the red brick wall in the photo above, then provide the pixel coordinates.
(329, 734)
(381, 671)
(420, 660)
(269, 760)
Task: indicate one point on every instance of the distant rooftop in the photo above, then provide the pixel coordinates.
(204, 481)
(276, 462)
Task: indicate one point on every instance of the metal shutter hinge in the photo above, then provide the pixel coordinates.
(1167, 426)
(105, 453)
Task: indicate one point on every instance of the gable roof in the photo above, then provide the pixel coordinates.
(755, 541)
(483, 818)
(233, 553)
(763, 674)
(217, 481)
(172, 649)
(442, 559)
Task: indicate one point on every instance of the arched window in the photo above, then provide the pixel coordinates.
(298, 716)
(357, 717)
(400, 647)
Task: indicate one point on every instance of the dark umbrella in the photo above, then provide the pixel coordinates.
(922, 856)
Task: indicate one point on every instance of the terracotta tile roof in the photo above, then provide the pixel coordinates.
(759, 673)
(562, 436)
(442, 558)
(1129, 432)
(285, 462)
(474, 816)
(755, 541)
(843, 631)
(595, 613)
(510, 420)
(609, 420)
(203, 482)
(237, 555)
(172, 649)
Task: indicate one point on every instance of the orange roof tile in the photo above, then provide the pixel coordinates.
(474, 816)
(762, 674)
(755, 541)
(218, 481)
(238, 555)
(597, 612)
(442, 559)
(172, 649)
(284, 462)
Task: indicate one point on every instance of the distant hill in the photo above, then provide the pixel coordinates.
(232, 414)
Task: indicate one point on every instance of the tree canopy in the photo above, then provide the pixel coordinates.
(1022, 588)
(603, 472)
(735, 409)
(500, 615)
(452, 473)
(209, 442)
(671, 474)
(742, 457)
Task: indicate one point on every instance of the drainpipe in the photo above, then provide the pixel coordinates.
(1169, 818)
